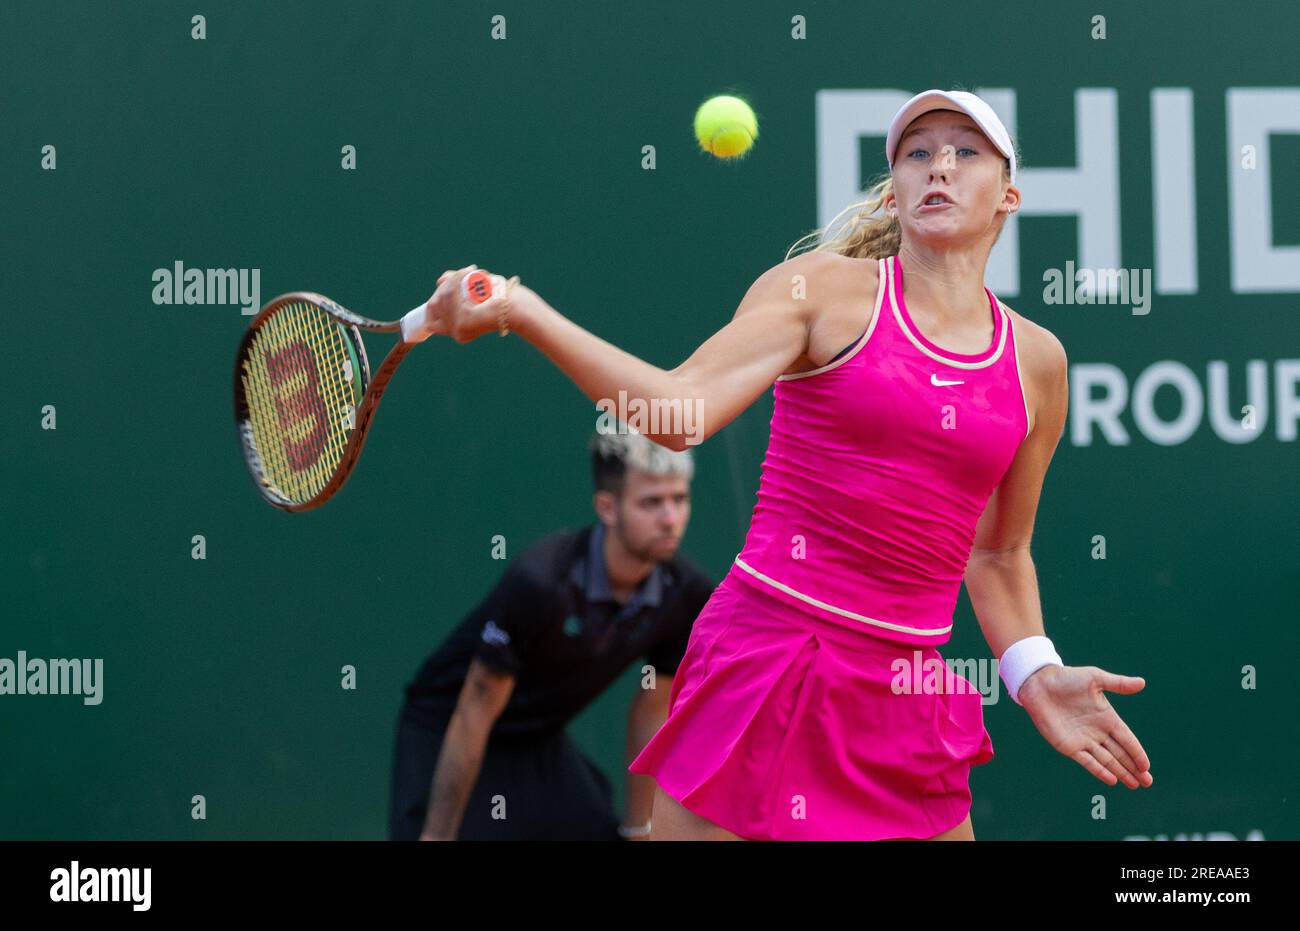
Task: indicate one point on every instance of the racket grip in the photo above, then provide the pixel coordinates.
(476, 287)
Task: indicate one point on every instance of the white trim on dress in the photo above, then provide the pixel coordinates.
(862, 340)
(843, 612)
(907, 331)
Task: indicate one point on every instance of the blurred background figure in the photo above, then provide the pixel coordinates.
(482, 752)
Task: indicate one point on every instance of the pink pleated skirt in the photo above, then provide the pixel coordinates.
(786, 726)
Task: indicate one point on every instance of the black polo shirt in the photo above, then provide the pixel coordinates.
(552, 621)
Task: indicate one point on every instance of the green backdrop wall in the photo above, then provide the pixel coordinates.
(1171, 144)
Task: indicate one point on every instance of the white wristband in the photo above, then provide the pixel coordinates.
(1022, 659)
(415, 326)
(640, 830)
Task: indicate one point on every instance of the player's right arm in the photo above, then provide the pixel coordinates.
(767, 333)
(482, 699)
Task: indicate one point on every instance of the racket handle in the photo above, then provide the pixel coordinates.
(476, 287)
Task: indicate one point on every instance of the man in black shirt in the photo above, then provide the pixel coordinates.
(481, 752)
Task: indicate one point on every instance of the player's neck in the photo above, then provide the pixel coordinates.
(945, 286)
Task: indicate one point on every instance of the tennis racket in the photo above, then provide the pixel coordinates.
(304, 395)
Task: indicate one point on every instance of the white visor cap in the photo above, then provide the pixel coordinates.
(962, 102)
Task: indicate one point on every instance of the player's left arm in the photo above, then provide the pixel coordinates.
(1000, 577)
(1066, 703)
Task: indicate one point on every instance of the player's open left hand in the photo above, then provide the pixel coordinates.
(1069, 708)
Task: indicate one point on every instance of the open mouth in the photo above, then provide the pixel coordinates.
(935, 200)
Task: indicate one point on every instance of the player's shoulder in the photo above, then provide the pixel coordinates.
(827, 264)
(822, 278)
(1038, 346)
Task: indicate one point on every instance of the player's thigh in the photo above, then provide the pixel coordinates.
(963, 831)
(670, 820)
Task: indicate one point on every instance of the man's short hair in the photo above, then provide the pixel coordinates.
(613, 453)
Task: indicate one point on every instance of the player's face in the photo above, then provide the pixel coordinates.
(652, 514)
(945, 151)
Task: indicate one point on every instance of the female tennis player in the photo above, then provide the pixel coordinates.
(914, 418)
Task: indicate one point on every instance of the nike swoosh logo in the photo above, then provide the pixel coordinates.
(939, 382)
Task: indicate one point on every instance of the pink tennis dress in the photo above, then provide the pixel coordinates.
(796, 713)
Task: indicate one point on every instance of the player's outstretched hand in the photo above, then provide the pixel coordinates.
(1069, 708)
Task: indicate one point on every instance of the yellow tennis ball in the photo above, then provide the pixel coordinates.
(725, 126)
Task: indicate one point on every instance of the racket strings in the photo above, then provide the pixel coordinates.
(299, 382)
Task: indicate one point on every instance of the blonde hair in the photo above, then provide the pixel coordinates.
(870, 233)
